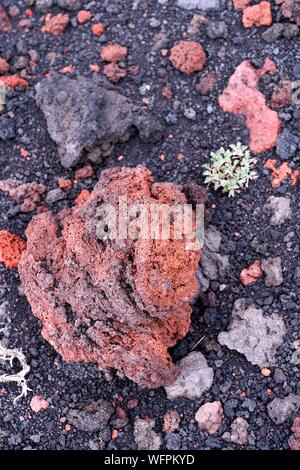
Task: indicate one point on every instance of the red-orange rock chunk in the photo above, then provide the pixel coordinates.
(281, 172)
(84, 172)
(250, 275)
(113, 53)
(240, 4)
(120, 303)
(98, 29)
(294, 440)
(242, 97)
(13, 81)
(55, 25)
(257, 15)
(11, 247)
(188, 57)
(83, 16)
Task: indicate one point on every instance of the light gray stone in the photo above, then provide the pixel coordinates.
(281, 208)
(194, 379)
(144, 435)
(254, 335)
(280, 409)
(273, 271)
(203, 5)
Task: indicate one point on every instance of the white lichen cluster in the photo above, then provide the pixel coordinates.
(230, 170)
(8, 355)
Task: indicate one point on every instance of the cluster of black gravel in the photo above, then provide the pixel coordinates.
(244, 225)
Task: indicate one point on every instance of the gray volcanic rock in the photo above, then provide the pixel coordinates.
(87, 117)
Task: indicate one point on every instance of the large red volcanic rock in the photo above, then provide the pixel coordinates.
(243, 97)
(118, 303)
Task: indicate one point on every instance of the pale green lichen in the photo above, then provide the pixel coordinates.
(230, 170)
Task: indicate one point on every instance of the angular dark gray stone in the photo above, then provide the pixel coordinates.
(87, 117)
(93, 417)
(286, 145)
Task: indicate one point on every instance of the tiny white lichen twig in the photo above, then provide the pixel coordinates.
(9, 355)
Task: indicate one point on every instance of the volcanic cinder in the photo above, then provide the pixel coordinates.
(118, 303)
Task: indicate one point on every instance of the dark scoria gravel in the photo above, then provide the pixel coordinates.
(246, 232)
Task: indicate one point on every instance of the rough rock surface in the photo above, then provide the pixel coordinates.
(119, 303)
(273, 271)
(243, 97)
(250, 275)
(85, 116)
(188, 57)
(55, 25)
(93, 417)
(5, 24)
(171, 421)
(11, 248)
(281, 208)
(213, 264)
(210, 417)
(257, 15)
(280, 409)
(238, 433)
(254, 335)
(294, 440)
(27, 194)
(290, 9)
(144, 435)
(195, 377)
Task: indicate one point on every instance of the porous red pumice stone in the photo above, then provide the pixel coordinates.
(11, 247)
(242, 97)
(240, 4)
(120, 303)
(113, 53)
(188, 57)
(55, 25)
(257, 15)
(282, 94)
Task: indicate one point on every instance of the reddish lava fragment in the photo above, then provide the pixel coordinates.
(242, 97)
(206, 83)
(83, 16)
(282, 94)
(55, 25)
(294, 440)
(240, 4)
(98, 29)
(11, 247)
(257, 15)
(64, 183)
(188, 57)
(250, 275)
(5, 24)
(281, 172)
(120, 303)
(13, 81)
(84, 172)
(113, 53)
(114, 73)
(82, 197)
(27, 194)
(38, 403)
(4, 67)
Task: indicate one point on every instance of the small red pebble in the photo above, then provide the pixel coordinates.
(55, 25)
(4, 67)
(281, 172)
(28, 12)
(114, 434)
(265, 372)
(120, 412)
(82, 197)
(83, 16)
(68, 69)
(84, 172)
(188, 57)
(98, 29)
(269, 392)
(38, 403)
(11, 248)
(24, 153)
(240, 4)
(250, 275)
(13, 81)
(68, 427)
(94, 68)
(64, 183)
(167, 92)
(257, 15)
(113, 53)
